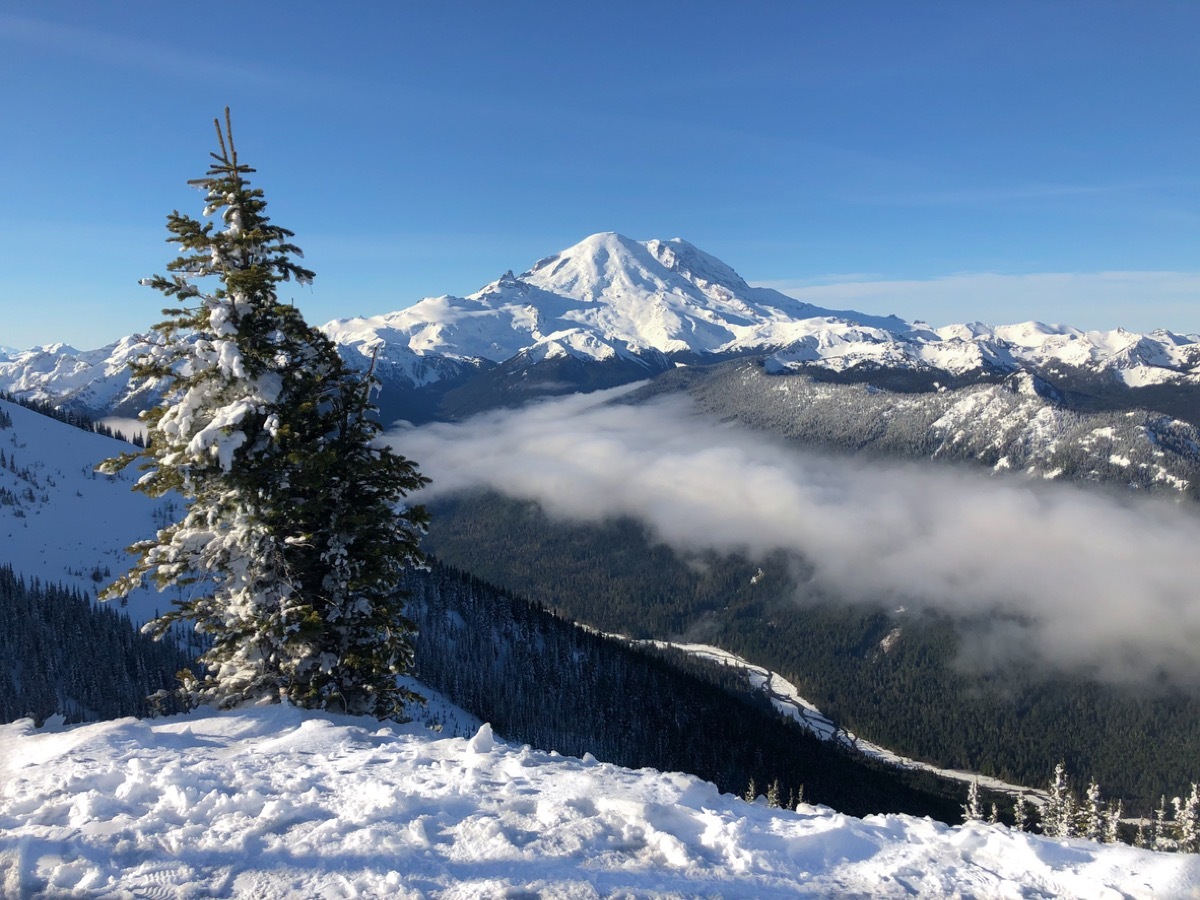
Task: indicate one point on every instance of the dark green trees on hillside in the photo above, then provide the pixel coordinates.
(61, 654)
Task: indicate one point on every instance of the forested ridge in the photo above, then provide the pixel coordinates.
(915, 697)
(59, 653)
(543, 680)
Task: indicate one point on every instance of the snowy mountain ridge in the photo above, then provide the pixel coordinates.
(644, 305)
(275, 802)
(1019, 424)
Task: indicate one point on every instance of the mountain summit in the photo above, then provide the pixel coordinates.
(607, 296)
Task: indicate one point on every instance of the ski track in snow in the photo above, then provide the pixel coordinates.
(275, 802)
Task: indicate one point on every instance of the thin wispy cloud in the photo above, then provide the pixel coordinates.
(1137, 301)
(1078, 579)
(172, 61)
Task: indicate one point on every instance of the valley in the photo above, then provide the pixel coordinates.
(685, 338)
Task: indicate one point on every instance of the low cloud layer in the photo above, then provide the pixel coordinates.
(1101, 582)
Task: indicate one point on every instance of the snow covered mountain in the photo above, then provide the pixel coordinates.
(95, 382)
(275, 802)
(610, 310)
(1127, 358)
(606, 297)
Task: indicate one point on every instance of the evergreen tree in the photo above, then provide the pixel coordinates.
(1112, 823)
(1022, 811)
(1160, 837)
(751, 793)
(294, 540)
(1187, 821)
(773, 795)
(973, 809)
(1058, 815)
(1093, 815)
(796, 798)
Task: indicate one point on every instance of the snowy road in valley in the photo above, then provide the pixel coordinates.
(786, 698)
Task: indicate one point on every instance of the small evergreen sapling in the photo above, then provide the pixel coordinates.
(1187, 820)
(294, 538)
(1093, 814)
(973, 808)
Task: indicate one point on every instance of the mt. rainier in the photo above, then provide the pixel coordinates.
(610, 310)
(607, 296)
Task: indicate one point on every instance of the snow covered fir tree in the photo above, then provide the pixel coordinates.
(296, 531)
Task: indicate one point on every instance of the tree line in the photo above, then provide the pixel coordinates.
(68, 416)
(61, 654)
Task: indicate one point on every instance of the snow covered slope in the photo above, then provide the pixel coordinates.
(1019, 424)
(59, 520)
(278, 803)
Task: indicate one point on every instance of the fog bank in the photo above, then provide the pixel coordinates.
(1102, 581)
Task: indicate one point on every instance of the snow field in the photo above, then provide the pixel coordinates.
(276, 802)
(77, 520)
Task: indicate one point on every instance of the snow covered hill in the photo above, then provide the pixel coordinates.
(274, 802)
(60, 521)
(629, 309)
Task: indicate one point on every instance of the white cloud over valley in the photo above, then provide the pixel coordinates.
(1081, 578)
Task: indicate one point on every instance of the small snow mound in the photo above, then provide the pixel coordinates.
(483, 742)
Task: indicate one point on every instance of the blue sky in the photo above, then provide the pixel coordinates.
(994, 161)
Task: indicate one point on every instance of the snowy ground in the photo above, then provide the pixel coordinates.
(275, 802)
